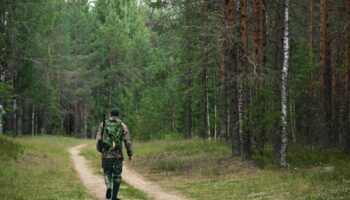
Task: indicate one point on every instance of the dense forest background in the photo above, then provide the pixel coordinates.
(180, 68)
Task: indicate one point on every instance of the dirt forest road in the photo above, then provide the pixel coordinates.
(96, 186)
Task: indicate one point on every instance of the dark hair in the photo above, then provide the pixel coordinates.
(115, 112)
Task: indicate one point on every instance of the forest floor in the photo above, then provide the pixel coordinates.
(95, 183)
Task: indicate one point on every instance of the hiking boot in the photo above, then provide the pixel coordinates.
(108, 193)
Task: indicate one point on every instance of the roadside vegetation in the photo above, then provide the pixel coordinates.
(38, 168)
(204, 169)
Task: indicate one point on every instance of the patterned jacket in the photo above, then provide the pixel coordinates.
(126, 138)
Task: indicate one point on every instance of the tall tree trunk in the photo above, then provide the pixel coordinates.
(232, 29)
(245, 87)
(13, 80)
(310, 24)
(188, 77)
(258, 62)
(257, 40)
(309, 114)
(346, 76)
(325, 75)
(335, 102)
(284, 142)
(204, 100)
(46, 117)
(262, 40)
(223, 75)
(279, 33)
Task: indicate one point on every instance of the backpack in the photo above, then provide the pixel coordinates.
(112, 133)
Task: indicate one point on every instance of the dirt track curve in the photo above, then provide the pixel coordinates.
(96, 186)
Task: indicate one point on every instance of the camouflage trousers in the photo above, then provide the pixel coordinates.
(112, 169)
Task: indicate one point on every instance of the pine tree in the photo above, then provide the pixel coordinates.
(325, 75)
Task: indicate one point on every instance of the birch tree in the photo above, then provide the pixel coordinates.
(283, 160)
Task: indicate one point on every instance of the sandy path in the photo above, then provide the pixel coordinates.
(152, 189)
(96, 186)
(94, 183)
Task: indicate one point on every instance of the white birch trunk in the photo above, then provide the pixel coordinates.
(283, 160)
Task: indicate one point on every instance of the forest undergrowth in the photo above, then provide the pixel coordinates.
(204, 169)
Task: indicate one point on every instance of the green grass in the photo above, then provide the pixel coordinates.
(38, 168)
(205, 170)
(126, 190)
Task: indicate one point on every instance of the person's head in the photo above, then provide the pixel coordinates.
(114, 112)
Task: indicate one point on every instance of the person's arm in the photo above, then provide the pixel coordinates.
(127, 140)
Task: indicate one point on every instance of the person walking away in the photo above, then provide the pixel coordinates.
(115, 132)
